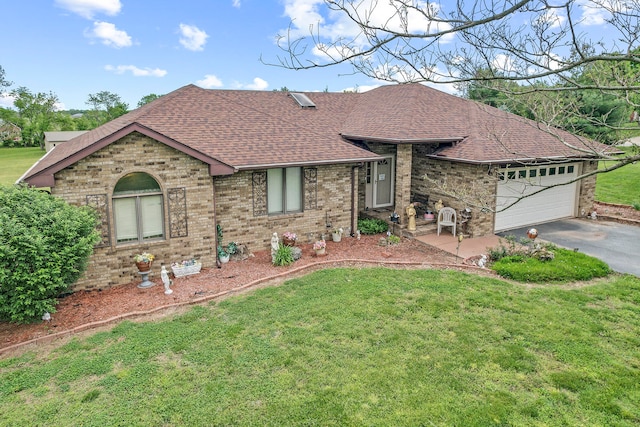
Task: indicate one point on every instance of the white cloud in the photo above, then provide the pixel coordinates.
(236, 3)
(554, 19)
(258, 84)
(192, 38)
(596, 13)
(137, 72)
(6, 100)
(333, 25)
(209, 81)
(89, 8)
(592, 16)
(503, 63)
(110, 35)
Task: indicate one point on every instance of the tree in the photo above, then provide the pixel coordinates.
(147, 99)
(106, 107)
(45, 245)
(3, 81)
(36, 112)
(535, 57)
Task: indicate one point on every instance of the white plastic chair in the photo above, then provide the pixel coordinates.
(447, 218)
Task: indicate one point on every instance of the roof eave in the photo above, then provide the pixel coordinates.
(372, 158)
(452, 139)
(511, 160)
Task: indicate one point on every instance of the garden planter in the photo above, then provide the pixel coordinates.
(224, 258)
(336, 237)
(288, 242)
(321, 251)
(143, 266)
(180, 271)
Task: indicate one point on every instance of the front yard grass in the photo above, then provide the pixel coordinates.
(16, 161)
(353, 347)
(621, 186)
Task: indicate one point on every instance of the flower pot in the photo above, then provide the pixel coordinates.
(224, 259)
(143, 266)
(321, 251)
(288, 242)
(429, 216)
(336, 237)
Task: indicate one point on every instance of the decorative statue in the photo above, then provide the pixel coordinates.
(439, 205)
(411, 213)
(166, 281)
(275, 244)
(482, 262)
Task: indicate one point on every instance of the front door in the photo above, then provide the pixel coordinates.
(383, 182)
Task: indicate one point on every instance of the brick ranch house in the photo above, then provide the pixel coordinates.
(255, 162)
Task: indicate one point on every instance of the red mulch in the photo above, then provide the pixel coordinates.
(90, 310)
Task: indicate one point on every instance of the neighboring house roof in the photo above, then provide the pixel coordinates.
(9, 131)
(233, 130)
(62, 136)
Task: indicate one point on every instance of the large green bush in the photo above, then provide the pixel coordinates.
(45, 245)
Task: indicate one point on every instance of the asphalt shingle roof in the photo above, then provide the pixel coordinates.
(256, 129)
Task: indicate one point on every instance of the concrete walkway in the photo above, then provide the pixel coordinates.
(469, 247)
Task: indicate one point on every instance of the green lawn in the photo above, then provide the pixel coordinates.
(619, 186)
(16, 161)
(347, 347)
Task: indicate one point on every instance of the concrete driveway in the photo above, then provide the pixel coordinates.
(616, 244)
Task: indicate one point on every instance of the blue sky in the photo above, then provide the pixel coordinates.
(133, 48)
(74, 48)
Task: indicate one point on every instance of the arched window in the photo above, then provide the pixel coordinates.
(138, 208)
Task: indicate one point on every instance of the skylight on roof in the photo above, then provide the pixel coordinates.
(302, 100)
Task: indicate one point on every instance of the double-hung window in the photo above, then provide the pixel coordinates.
(137, 208)
(284, 190)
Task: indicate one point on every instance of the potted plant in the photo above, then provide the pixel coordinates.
(336, 234)
(289, 238)
(223, 254)
(143, 261)
(320, 247)
(225, 251)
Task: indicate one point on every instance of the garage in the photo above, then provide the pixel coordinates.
(548, 205)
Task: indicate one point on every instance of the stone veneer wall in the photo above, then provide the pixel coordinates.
(403, 180)
(587, 192)
(454, 175)
(458, 175)
(91, 181)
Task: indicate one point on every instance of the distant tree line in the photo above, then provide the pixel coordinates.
(36, 113)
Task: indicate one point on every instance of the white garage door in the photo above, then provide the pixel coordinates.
(553, 203)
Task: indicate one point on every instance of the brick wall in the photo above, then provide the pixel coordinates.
(235, 209)
(112, 264)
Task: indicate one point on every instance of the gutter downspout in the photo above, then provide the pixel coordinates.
(215, 223)
(354, 223)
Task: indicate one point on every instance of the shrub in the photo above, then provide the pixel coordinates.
(508, 247)
(283, 256)
(372, 226)
(393, 240)
(45, 245)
